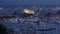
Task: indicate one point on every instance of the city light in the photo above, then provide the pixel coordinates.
(28, 11)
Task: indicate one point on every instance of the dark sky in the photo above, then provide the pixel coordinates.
(19, 2)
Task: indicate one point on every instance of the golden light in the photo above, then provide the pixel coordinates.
(28, 11)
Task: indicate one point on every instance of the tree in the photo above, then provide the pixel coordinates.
(3, 29)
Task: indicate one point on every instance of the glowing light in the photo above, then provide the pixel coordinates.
(0, 8)
(28, 11)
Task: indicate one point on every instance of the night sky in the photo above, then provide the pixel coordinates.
(27, 2)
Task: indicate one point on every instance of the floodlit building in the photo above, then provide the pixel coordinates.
(27, 11)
